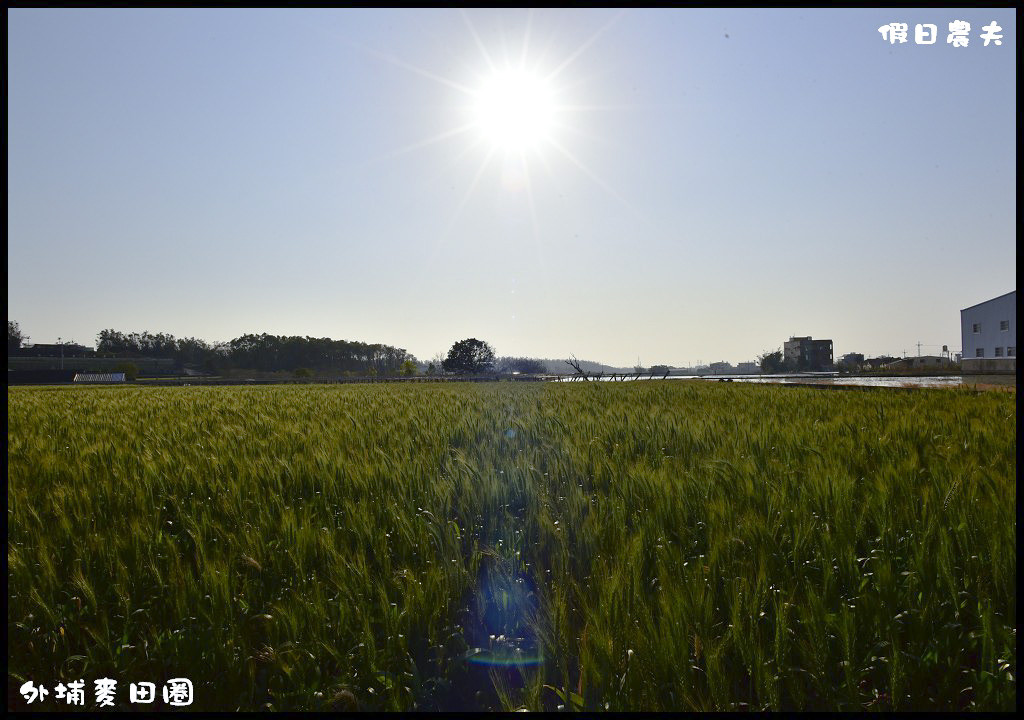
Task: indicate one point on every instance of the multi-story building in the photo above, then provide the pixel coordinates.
(989, 334)
(803, 353)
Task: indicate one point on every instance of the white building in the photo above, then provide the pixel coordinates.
(117, 377)
(989, 334)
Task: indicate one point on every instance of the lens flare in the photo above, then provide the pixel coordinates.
(505, 657)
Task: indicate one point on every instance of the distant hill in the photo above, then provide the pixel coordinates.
(560, 367)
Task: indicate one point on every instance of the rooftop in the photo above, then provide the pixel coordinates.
(1000, 297)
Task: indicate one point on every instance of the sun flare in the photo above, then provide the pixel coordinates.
(514, 110)
(520, 109)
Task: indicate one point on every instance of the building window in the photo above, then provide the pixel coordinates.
(1011, 351)
(976, 327)
(980, 352)
(999, 352)
(1004, 324)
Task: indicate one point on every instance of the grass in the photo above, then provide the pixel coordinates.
(636, 546)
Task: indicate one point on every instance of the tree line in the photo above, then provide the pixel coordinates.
(258, 352)
(305, 356)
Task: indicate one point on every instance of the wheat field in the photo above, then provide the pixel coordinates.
(662, 545)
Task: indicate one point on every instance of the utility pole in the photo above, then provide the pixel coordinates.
(61, 353)
(919, 348)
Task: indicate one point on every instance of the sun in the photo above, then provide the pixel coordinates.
(514, 110)
(517, 108)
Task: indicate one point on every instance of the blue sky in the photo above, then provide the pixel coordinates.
(717, 181)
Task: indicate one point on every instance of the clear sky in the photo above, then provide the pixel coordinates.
(673, 185)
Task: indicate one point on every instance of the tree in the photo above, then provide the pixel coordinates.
(130, 369)
(771, 362)
(575, 365)
(14, 336)
(436, 364)
(469, 356)
(111, 342)
(524, 366)
(409, 368)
